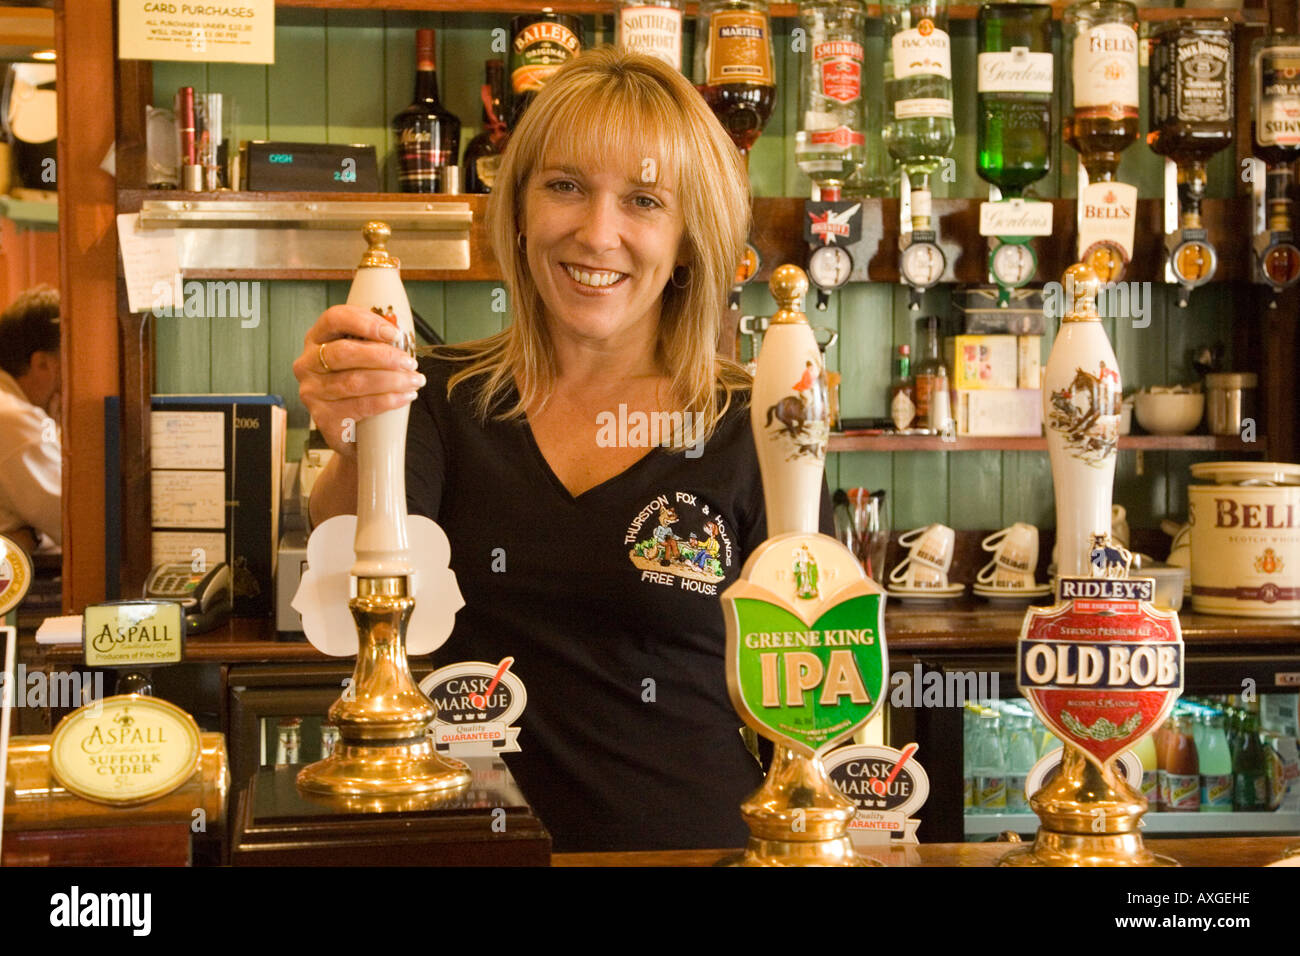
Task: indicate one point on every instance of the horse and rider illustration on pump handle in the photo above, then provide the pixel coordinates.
(1087, 412)
(803, 419)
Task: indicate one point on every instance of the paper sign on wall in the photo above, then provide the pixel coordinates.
(237, 31)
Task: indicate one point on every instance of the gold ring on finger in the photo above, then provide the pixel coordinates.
(320, 353)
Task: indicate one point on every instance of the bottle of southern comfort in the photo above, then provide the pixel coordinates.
(426, 134)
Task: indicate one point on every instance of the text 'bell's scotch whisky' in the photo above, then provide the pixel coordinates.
(831, 142)
(540, 43)
(653, 27)
(1104, 75)
(918, 86)
(483, 154)
(733, 66)
(427, 135)
(1014, 84)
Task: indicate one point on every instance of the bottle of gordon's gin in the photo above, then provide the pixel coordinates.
(1014, 125)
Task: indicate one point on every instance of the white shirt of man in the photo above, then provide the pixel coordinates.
(31, 465)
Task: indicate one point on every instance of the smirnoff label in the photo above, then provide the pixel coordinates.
(922, 51)
(654, 30)
(1016, 71)
(1108, 214)
(1105, 70)
(1277, 96)
(837, 65)
(740, 48)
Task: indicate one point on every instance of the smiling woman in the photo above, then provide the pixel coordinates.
(593, 555)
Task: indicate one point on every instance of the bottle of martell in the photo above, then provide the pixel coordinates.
(733, 66)
(540, 44)
(427, 135)
(483, 154)
(1104, 74)
(902, 391)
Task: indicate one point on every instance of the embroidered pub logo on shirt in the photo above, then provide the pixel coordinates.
(679, 540)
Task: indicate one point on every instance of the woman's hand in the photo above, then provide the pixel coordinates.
(349, 369)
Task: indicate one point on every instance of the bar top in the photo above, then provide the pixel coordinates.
(1219, 852)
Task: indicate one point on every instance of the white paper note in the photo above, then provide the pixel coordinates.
(189, 499)
(241, 32)
(187, 439)
(150, 263)
(170, 547)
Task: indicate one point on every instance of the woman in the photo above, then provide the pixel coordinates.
(618, 214)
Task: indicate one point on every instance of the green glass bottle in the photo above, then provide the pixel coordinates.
(918, 86)
(1014, 124)
(1250, 765)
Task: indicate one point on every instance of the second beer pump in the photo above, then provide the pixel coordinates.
(383, 750)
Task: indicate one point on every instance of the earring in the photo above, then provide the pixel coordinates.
(519, 241)
(686, 277)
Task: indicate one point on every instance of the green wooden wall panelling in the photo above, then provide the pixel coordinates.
(340, 76)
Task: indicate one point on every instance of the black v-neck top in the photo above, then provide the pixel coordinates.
(608, 603)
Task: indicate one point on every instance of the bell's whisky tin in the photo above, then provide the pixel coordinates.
(1245, 541)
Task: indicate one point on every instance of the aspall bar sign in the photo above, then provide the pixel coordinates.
(1104, 668)
(806, 660)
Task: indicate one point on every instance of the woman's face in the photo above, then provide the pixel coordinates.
(601, 244)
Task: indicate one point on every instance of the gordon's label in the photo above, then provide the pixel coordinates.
(837, 65)
(1216, 791)
(1105, 70)
(539, 49)
(1277, 96)
(740, 48)
(923, 51)
(654, 30)
(1193, 80)
(1015, 71)
(1015, 217)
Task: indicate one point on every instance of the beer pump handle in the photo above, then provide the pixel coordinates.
(382, 548)
(790, 411)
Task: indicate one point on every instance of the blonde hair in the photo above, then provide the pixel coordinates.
(610, 102)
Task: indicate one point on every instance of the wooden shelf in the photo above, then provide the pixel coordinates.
(778, 234)
(778, 10)
(861, 442)
(966, 625)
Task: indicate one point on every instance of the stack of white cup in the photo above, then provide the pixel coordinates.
(1015, 556)
(929, 556)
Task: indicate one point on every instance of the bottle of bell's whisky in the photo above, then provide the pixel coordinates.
(733, 66)
(831, 142)
(426, 133)
(1014, 124)
(1104, 77)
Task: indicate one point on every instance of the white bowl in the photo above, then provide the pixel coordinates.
(1169, 412)
(1170, 581)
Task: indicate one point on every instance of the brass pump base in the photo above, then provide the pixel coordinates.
(798, 818)
(1090, 817)
(383, 749)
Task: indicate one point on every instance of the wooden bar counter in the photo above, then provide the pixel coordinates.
(1221, 852)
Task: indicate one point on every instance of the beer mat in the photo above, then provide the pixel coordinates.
(65, 629)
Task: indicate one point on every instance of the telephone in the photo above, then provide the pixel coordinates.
(204, 596)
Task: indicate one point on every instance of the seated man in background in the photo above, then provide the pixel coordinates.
(31, 457)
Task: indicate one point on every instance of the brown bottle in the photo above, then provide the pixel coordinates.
(1104, 73)
(733, 66)
(1192, 96)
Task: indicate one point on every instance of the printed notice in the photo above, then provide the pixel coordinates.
(189, 499)
(187, 439)
(220, 31)
(172, 547)
(150, 263)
